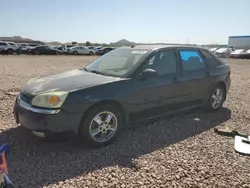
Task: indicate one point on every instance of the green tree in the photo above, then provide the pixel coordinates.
(87, 43)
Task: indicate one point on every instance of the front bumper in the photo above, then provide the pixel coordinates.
(46, 123)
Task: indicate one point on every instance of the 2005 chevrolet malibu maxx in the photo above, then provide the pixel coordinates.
(124, 86)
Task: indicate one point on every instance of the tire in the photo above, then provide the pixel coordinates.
(10, 51)
(91, 53)
(58, 53)
(37, 53)
(75, 53)
(89, 124)
(218, 93)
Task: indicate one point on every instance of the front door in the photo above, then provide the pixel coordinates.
(85, 50)
(158, 95)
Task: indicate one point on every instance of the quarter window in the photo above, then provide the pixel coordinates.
(212, 61)
(163, 62)
(191, 60)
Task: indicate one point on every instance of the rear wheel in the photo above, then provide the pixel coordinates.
(37, 53)
(101, 125)
(216, 98)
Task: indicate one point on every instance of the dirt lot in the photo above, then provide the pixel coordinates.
(172, 152)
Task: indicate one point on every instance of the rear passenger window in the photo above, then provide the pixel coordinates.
(191, 60)
(211, 61)
(3, 44)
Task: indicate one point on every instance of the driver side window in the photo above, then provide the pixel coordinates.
(163, 62)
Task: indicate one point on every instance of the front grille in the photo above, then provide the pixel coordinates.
(25, 98)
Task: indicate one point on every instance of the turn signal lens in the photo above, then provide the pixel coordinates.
(54, 100)
(50, 100)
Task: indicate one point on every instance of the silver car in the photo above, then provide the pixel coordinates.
(223, 52)
(8, 47)
(81, 50)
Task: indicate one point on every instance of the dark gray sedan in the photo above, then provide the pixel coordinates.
(126, 85)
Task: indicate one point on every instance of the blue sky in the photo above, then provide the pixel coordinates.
(196, 21)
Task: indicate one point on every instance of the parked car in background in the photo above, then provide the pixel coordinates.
(81, 50)
(93, 48)
(8, 48)
(236, 53)
(223, 52)
(245, 54)
(104, 50)
(66, 48)
(59, 47)
(54, 47)
(25, 48)
(44, 50)
(124, 86)
(213, 49)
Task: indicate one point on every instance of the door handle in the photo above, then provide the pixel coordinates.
(208, 73)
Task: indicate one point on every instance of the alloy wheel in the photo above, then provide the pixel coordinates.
(103, 126)
(217, 98)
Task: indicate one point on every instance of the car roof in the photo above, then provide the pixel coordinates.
(156, 47)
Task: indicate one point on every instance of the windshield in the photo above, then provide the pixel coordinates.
(117, 62)
(13, 44)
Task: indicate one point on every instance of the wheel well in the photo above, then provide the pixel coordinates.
(224, 87)
(110, 102)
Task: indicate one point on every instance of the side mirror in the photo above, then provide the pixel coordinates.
(148, 73)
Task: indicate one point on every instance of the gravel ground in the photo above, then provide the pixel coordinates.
(181, 151)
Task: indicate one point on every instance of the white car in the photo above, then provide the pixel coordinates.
(236, 53)
(223, 52)
(26, 47)
(66, 48)
(77, 50)
(8, 47)
(213, 49)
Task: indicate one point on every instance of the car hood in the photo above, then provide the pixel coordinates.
(66, 81)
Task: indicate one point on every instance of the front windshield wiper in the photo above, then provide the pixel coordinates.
(93, 71)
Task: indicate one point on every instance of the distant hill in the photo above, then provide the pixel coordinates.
(54, 43)
(18, 39)
(123, 42)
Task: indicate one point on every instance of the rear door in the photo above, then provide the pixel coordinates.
(47, 50)
(79, 50)
(158, 95)
(85, 50)
(195, 76)
(216, 71)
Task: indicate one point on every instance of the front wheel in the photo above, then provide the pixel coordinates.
(91, 53)
(216, 98)
(101, 125)
(75, 53)
(10, 51)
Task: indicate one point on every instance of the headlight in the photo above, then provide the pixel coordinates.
(50, 100)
